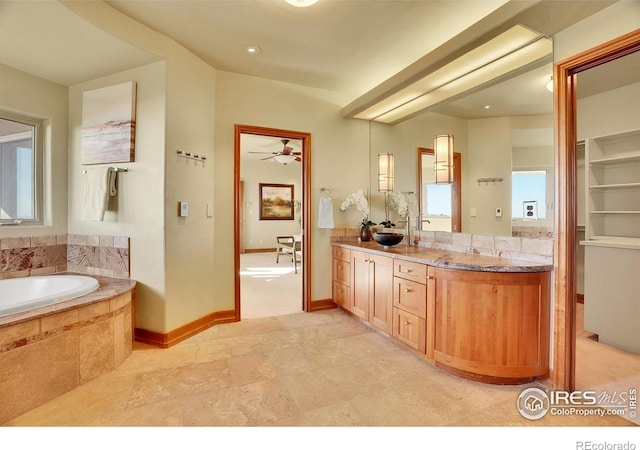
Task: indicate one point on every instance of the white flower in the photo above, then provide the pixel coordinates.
(398, 203)
(359, 200)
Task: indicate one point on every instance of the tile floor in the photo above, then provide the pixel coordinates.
(301, 370)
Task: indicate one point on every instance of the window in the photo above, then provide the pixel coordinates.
(438, 200)
(528, 186)
(20, 169)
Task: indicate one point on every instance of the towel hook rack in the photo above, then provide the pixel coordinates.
(114, 169)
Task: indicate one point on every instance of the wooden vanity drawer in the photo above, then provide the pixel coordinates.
(410, 296)
(341, 295)
(410, 270)
(341, 253)
(342, 272)
(409, 329)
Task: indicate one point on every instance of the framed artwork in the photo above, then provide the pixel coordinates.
(276, 201)
(108, 124)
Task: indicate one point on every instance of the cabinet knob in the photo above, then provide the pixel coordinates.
(339, 267)
(408, 271)
(430, 277)
(408, 290)
(406, 322)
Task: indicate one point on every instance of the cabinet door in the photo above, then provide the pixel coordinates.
(360, 280)
(381, 293)
(341, 295)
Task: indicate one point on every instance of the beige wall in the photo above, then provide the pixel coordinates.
(137, 210)
(32, 96)
(179, 251)
(339, 158)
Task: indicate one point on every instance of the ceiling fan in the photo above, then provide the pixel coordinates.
(285, 156)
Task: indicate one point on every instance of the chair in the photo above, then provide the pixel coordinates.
(291, 246)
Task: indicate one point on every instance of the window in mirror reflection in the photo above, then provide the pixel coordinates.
(438, 199)
(528, 186)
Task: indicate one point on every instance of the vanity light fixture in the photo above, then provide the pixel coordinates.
(301, 3)
(285, 159)
(443, 149)
(385, 172)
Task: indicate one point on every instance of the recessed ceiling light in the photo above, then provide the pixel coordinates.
(253, 49)
(486, 107)
(301, 3)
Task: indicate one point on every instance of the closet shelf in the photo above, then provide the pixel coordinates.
(616, 159)
(614, 186)
(614, 212)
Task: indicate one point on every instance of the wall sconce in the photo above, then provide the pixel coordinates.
(385, 172)
(443, 147)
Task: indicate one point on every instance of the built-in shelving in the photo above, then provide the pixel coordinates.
(612, 187)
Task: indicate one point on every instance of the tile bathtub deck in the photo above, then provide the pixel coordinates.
(320, 369)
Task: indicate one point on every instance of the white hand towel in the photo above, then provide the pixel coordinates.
(97, 184)
(325, 213)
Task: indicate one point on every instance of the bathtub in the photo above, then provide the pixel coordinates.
(22, 294)
(56, 345)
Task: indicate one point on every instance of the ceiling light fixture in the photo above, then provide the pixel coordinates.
(285, 159)
(253, 49)
(506, 53)
(301, 3)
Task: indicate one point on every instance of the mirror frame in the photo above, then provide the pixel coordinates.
(566, 217)
(456, 191)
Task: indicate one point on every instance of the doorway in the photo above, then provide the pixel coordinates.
(304, 257)
(566, 267)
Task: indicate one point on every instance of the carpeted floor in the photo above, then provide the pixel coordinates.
(268, 288)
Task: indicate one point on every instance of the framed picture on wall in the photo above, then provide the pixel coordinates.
(276, 201)
(108, 124)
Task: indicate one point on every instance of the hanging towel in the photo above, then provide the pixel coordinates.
(325, 213)
(97, 187)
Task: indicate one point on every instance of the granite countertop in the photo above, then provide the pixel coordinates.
(109, 288)
(446, 259)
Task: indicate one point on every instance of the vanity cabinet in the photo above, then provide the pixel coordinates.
(341, 289)
(490, 326)
(486, 319)
(410, 303)
(372, 287)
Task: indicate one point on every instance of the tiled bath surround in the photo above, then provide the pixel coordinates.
(94, 255)
(44, 357)
(522, 248)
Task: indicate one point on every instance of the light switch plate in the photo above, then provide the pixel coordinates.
(183, 209)
(498, 212)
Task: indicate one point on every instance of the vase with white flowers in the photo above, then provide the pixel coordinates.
(359, 200)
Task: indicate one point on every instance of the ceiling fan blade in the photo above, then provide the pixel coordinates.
(268, 157)
(265, 153)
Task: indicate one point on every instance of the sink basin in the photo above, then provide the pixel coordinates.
(388, 239)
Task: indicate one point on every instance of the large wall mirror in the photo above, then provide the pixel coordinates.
(504, 139)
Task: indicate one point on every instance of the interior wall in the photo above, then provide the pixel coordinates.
(261, 234)
(35, 97)
(339, 159)
(489, 156)
(185, 248)
(138, 209)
